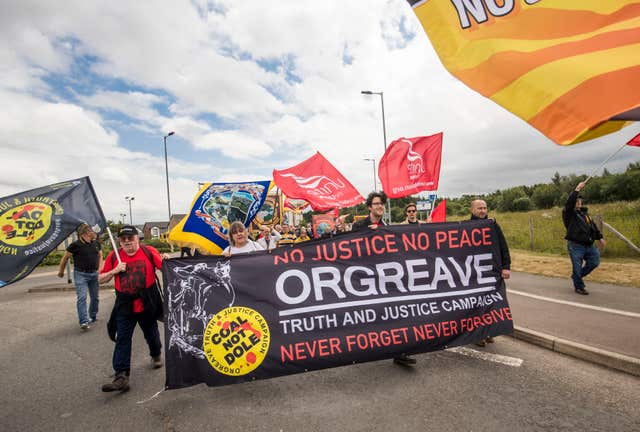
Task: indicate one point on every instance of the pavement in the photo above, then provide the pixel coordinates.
(601, 328)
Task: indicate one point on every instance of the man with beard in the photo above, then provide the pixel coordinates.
(479, 211)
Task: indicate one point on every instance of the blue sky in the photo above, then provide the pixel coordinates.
(90, 88)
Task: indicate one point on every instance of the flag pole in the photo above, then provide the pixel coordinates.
(113, 244)
(605, 161)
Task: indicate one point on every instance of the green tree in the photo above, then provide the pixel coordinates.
(545, 195)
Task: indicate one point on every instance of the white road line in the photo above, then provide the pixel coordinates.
(496, 358)
(585, 306)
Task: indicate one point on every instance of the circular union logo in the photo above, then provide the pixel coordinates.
(236, 340)
(25, 224)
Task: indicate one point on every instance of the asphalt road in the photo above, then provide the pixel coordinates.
(51, 373)
(608, 318)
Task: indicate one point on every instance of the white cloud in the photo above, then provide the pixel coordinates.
(196, 69)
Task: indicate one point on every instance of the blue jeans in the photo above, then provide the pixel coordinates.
(86, 282)
(126, 324)
(580, 253)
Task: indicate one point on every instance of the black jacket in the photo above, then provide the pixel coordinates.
(364, 223)
(580, 227)
(504, 248)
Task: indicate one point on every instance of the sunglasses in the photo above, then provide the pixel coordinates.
(411, 211)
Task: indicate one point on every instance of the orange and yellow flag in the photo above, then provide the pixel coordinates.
(570, 68)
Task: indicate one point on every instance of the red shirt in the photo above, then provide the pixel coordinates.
(140, 272)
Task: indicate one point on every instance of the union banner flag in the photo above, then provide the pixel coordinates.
(213, 210)
(295, 205)
(319, 183)
(36, 221)
(569, 68)
(411, 165)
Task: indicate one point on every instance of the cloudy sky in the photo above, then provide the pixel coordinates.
(90, 88)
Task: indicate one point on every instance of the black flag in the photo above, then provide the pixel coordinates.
(34, 222)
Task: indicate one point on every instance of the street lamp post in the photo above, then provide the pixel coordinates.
(373, 163)
(166, 167)
(130, 198)
(384, 137)
(122, 216)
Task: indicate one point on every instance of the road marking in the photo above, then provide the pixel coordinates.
(496, 358)
(585, 306)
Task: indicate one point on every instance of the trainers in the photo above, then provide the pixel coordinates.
(84, 326)
(489, 340)
(119, 383)
(404, 360)
(92, 320)
(582, 291)
(156, 361)
(481, 343)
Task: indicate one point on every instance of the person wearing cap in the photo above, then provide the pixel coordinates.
(582, 232)
(87, 260)
(133, 275)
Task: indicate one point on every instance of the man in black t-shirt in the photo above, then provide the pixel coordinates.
(87, 260)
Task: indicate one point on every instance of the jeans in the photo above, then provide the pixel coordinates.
(86, 282)
(580, 253)
(126, 324)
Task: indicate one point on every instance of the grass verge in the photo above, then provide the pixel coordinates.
(617, 271)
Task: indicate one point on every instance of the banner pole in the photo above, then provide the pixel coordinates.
(605, 161)
(113, 244)
(66, 245)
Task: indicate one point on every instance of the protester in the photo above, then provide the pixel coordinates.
(375, 202)
(268, 238)
(185, 251)
(411, 214)
(137, 298)
(304, 236)
(288, 238)
(479, 211)
(87, 261)
(239, 241)
(581, 234)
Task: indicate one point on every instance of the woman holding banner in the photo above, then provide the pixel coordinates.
(239, 241)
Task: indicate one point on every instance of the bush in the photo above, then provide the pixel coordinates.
(160, 245)
(52, 259)
(521, 204)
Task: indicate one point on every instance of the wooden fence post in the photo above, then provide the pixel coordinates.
(531, 232)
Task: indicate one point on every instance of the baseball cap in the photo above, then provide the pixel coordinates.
(127, 230)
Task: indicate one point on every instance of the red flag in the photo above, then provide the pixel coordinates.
(439, 214)
(635, 141)
(319, 183)
(411, 165)
(295, 205)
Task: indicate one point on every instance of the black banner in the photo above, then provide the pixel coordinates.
(34, 222)
(357, 297)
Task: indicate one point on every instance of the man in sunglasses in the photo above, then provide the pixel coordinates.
(411, 212)
(135, 280)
